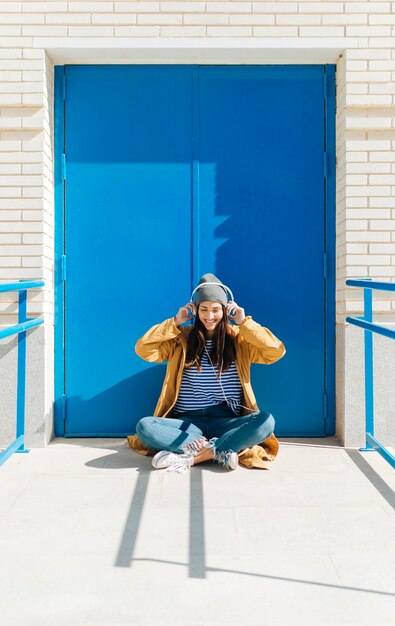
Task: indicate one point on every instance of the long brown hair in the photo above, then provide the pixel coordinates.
(223, 348)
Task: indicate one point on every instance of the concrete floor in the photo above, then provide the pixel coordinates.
(90, 534)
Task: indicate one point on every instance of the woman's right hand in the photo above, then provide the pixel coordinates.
(182, 315)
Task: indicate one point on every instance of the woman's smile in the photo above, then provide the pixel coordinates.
(210, 323)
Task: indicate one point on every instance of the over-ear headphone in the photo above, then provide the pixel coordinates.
(218, 285)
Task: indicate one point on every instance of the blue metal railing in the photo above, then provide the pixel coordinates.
(20, 329)
(366, 323)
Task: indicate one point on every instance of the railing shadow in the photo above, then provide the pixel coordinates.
(373, 477)
(196, 566)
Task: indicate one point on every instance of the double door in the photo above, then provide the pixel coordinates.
(177, 170)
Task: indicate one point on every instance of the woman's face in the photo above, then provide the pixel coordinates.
(210, 314)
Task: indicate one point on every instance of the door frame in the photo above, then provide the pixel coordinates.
(329, 260)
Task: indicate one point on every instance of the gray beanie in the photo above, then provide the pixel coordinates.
(211, 292)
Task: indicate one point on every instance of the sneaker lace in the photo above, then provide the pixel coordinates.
(223, 458)
(182, 464)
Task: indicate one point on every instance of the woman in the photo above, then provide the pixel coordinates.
(207, 409)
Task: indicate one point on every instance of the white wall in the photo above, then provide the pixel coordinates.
(357, 36)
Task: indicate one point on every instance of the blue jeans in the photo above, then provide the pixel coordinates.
(234, 433)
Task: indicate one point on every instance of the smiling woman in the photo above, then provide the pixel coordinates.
(200, 414)
(210, 313)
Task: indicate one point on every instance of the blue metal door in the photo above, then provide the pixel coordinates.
(173, 171)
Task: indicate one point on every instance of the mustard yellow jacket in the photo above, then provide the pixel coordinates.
(254, 344)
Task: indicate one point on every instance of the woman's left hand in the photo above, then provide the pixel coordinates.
(235, 312)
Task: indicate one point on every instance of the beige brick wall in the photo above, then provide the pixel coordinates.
(365, 138)
(365, 125)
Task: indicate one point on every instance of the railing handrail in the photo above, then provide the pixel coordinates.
(374, 328)
(365, 322)
(366, 283)
(18, 445)
(25, 284)
(20, 328)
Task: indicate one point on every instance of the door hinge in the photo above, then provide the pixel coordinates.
(325, 165)
(64, 88)
(325, 264)
(63, 167)
(325, 405)
(63, 266)
(64, 406)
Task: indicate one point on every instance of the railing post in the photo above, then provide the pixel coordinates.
(369, 390)
(24, 324)
(21, 381)
(366, 322)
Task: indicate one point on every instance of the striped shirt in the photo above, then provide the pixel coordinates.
(199, 390)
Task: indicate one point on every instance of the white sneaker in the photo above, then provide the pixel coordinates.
(229, 459)
(172, 461)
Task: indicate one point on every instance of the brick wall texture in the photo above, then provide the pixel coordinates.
(365, 117)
